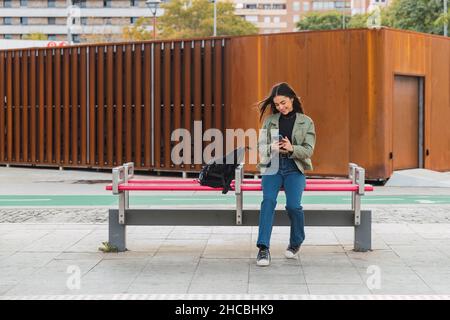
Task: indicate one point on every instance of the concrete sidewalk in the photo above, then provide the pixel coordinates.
(54, 251)
(44, 259)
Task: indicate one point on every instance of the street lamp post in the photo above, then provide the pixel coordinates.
(153, 6)
(215, 17)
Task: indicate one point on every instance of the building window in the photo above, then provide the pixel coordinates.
(7, 4)
(51, 37)
(107, 3)
(107, 21)
(296, 6)
(266, 19)
(7, 20)
(76, 38)
(279, 6)
(296, 18)
(23, 3)
(251, 18)
(306, 6)
(133, 20)
(24, 20)
(134, 3)
(84, 21)
(51, 20)
(276, 19)
(51, 3)
(8, 36)
(250, 6)
(79, 3)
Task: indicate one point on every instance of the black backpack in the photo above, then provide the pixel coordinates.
(219, 172)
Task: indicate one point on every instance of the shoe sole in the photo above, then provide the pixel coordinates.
(262, 263)
(290, 255)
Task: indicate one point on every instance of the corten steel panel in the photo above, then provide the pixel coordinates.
(187, 97)
(218, 92)
(25, 106)
(66, 106)
(147, 105)
(177, 88)
(41, 104)
(197, 91)
(138, 106)
(2, 106)
(110, 105)
(128, 84)
(439, 118)
(33, 100)
(101, 105)
(83, 106)
(74, 107)
(58, 109)
(49, 105)
(92, 107)
(157, 105)
(406, 123)
(9, 104)
(17, 106)
(118, 129)
(167, 88)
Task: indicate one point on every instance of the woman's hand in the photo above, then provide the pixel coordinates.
(286, 145)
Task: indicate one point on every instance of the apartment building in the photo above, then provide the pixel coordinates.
(64, 19)
(273, 16)
(365, 6)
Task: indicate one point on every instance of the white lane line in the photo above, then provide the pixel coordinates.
(14, 200)
(190, 199)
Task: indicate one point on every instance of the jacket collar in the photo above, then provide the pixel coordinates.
(276, 118)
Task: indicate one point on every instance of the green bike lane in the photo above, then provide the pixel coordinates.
(206, 199)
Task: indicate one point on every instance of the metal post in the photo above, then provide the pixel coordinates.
(215, 18)
(446, 12)
(238, 193)
(360, 180)
(352, 176)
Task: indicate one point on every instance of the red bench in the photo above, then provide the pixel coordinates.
(123, 183)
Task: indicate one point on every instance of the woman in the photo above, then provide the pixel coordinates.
(287, 139)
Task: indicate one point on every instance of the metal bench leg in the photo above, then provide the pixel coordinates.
(363, 233)
(117, 231)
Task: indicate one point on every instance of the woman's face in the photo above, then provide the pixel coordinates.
(283, 104)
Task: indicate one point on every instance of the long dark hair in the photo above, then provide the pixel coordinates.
(280, 89)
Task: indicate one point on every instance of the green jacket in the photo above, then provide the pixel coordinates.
(303, 141)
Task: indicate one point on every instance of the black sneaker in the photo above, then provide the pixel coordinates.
(263, 258)
(291, 252)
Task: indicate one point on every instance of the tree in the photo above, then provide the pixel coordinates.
(35, 36)
(195, 18)
(138, 31)
(417, 15)
(322, 21)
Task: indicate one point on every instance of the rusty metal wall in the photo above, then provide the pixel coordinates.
(102, 105)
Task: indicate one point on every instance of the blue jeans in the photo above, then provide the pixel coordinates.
(293, 181)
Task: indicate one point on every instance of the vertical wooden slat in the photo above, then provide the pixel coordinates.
(17, 106)
(92, 106)
(138, 104)
(207, 85)
(187, 89)
(25, 88)
(101, 105)
(57, 73)
(82, 102)
(74, 98)
(9, 105)
(157, 106)
(167, 105)
(109, 105)
(41, 105)
(49, 105)
(2, 106)
(197, 89)
(33, 105)
(177, 86)
(147, 105)
(66, 108)
(128, 103)
(218, 85)
(119, 104)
